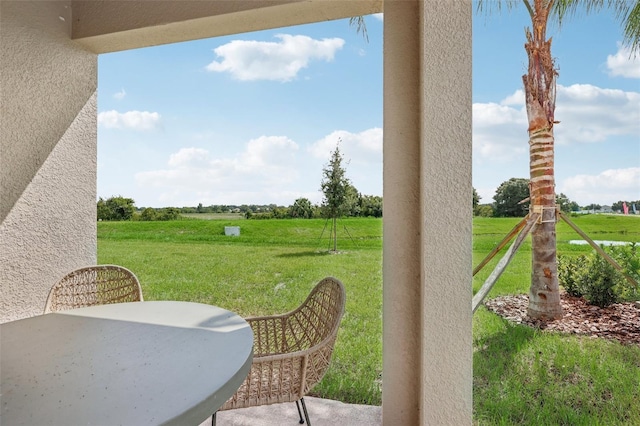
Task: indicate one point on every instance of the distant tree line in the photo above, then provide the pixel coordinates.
(512, 200)
(121, 208)
(508, 202)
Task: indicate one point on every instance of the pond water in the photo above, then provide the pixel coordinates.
(601, 242)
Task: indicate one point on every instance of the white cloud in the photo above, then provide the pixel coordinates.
(269, 152)
(591, 114)
(197, 174)
(608, 186)
(361, 154)
(486, 194)
(195, 158)
(623, 63)
(379, 16)
(120, 95)
(363, 147)
(248, 60)
(517, 98)
(499, 133)
(136, 120)
(268, 169)
(586, 113)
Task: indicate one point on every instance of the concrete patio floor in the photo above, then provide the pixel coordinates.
(322, 412)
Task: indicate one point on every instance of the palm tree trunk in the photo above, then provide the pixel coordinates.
(540, 97)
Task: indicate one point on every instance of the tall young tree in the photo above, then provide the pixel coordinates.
(334, 187)
(540, 101)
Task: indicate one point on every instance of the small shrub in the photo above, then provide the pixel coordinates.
(627, 258)
(483, 210)
(148, 214)
(602, 283)
(570, 273)
(592, 277)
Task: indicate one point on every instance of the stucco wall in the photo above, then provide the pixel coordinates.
(427, 340)
(447, 193)
(47, 153)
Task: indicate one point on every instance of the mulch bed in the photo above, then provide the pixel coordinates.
(620, 321)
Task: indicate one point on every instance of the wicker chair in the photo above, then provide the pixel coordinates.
(94, 285)
(292, 351)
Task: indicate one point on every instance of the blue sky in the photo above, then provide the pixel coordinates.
(252, 118)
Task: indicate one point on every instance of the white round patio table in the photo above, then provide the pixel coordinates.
(139, 363)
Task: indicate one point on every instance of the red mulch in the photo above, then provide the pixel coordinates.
(620, 321)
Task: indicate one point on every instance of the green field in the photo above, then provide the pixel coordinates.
(213, 216)
(521, 375)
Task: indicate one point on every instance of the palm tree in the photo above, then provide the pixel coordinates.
(540, 100)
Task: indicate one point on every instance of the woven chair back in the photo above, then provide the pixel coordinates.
(292, 351)
(94, 285)
(318, 317)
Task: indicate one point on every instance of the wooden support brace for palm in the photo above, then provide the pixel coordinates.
(526, 225)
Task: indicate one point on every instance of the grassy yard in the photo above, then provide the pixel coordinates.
(521, 376)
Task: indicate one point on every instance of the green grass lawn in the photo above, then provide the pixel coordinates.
(521, 375)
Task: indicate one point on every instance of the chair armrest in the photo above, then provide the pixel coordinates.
(268, 335)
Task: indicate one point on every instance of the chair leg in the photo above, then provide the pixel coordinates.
(213, 419)
(299, 412)
(304, 408)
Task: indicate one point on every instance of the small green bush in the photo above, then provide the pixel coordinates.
(570, 272)
(602, 283)
(592, 277)
(627, 258)
(484, 210)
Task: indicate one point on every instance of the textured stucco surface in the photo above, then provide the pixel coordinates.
(45, 80)
(447, 353)
(402, 225)
(114, 25)
(52, 228)
(427, 342)
(47, 154)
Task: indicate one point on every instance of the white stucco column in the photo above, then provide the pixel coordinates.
(48, 143)
(427, 341)
(401, 320)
